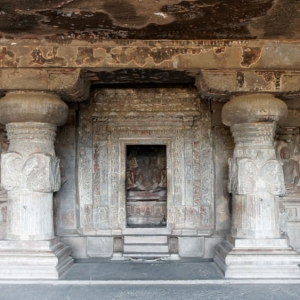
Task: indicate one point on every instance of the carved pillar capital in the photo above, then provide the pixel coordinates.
(30, 106)
(30, 169)
(252, 108)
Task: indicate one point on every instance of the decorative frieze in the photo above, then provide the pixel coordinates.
(221, 84)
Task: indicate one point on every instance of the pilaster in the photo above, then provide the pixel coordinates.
(255, 247)
(30, 174)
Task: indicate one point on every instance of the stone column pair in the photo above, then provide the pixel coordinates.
(30, 173)
(255, 248)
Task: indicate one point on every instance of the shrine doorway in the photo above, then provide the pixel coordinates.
(146, 185)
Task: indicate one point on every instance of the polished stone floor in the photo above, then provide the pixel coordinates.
(187, 279)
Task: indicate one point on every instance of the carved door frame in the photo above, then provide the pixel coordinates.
(105, 130)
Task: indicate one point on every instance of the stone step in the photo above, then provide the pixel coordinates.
(147, 255)
(145, 239)
(146, 231)
(144, 248)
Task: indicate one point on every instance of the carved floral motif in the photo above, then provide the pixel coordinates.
(39, 172)
(247, 176)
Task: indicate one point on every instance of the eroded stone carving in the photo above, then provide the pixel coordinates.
(8, 58)
(51, 59)
(39, 172)
(11, 176)
(88, 214)
(247, 176)
(291, 171)
(272, 169)
(290, 219)
(220, 84)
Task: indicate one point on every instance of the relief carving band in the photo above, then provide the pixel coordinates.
(247, 176)
(146, 177)
(272, 169)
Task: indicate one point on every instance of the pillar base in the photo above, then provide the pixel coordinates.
(34, 259)
(257, 258)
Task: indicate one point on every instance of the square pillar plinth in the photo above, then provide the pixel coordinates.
(257, 258)
(34, 259)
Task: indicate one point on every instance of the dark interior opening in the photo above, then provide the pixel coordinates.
(146, 185)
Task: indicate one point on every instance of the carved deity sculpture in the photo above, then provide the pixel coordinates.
(145, 179)
(291, 171)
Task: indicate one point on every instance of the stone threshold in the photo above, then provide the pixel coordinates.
(152, 282)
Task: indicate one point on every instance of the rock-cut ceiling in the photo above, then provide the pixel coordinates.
(63, 21)
(151, 19)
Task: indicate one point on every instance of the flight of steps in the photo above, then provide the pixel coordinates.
(146, 246)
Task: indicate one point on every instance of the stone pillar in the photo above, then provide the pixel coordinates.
(30, 173)
(255, 248)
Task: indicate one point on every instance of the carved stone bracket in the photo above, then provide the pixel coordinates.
(221, 84)
(69, 84)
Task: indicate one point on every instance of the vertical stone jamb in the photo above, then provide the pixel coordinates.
(255, 248)
(30, 174)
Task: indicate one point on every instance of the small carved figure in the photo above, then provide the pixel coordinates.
(131, 168)
(291, 171)
(147, 177)
(147, 212)
(88, 211)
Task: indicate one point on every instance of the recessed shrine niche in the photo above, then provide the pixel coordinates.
(122, 132)
(146, 185)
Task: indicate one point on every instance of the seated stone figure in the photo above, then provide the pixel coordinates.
(147, 179)
(291, 171)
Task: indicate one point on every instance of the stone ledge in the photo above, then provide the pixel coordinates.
(256, 263)
(34, 259)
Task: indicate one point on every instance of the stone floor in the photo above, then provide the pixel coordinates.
(188, 279)
(188, 269)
